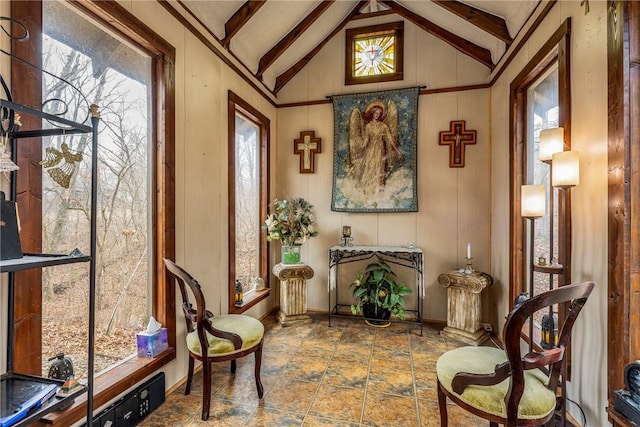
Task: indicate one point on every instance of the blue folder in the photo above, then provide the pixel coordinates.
(18, 396)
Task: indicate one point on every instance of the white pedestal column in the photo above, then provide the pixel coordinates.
(464, 305)
(293, 292)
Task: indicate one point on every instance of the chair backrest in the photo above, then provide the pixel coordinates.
(185, 281)
(570, 299)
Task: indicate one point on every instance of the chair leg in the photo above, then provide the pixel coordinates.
(233, 366)
(442, 404)
(187, 388)
(206, 393)
(257, 371)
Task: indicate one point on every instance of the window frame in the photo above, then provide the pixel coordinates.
(117, 19)
(623, 316)
(556, 49)
(237, 104)
(352, 34)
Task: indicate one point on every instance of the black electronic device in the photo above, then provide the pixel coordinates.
(132, 408)
(627, 401)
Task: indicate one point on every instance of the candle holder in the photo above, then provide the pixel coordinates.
(469, 267)
(347, 240)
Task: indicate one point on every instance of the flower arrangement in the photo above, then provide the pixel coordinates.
(290, 221)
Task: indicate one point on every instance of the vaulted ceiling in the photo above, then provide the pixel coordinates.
(275, 39)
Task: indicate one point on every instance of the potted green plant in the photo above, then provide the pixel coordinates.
(378, 295)
(292, 222)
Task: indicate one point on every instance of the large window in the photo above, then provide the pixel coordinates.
(248, 198)
(540, 100)
(117, 78)
(542, 111)
(119, 64)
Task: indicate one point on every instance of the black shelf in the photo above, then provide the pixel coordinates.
(69, 126)
(29, 261)
(55, 403)
(60, 126)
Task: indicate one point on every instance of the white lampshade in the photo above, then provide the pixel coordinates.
(533, 201)
(551, 142)
(565, 169)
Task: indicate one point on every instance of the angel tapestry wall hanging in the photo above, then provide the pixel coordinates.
(375, 161)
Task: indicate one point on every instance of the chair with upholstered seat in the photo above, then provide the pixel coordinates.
(212, 338)
(502, 386)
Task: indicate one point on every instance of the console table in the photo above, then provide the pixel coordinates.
(407, 257)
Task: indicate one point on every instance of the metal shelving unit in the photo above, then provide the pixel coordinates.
(30, 261)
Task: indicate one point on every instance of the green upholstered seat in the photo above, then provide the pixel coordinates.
(247, 330)
(537, 400)
(250, 330)
(505, 386)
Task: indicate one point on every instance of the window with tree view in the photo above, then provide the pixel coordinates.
(540, 244)
(248, 189)
(543, 113)
(247, 202)
(117, 77)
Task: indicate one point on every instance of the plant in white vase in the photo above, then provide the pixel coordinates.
(292, 222)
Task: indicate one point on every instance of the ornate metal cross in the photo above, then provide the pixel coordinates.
(456, 138)
(306, 147)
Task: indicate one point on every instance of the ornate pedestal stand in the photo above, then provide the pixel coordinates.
(464, 311)
(293, 292)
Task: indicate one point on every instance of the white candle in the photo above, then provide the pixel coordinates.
(469, 250)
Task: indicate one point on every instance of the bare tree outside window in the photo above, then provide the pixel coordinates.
(248, 142)
(247, 217)
(543, 113)
(116, 78)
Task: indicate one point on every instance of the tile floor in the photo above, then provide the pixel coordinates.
(349, 374)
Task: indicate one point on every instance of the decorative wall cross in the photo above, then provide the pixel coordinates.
(306, 147)
(456, 138)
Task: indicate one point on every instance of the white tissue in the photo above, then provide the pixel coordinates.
(153, 326)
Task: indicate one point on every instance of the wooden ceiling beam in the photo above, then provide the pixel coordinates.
(476, 52)
(241, 17)
(283, 78)
(275, 52)
(487, 22)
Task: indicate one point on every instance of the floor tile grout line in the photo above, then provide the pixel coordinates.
(261, 402)
(415, 384)
(315, 395)
(366, 384)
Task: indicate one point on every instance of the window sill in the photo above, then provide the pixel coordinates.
(251, 300)
(108, 386)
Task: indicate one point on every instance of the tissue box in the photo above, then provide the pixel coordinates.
(151, 345)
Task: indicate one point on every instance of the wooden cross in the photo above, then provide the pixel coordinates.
(306, 147)
(456, 138)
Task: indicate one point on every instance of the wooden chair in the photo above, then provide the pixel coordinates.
(502, 386)
(215, 338)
